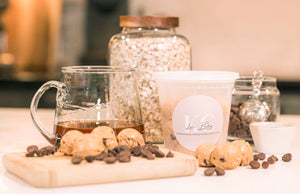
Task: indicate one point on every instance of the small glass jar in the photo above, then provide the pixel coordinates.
(150, 44)
(242, 92)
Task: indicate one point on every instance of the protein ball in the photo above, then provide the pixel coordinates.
(87, 144)
(106, 135)
(226, 156)
(203, 153)
(130, 137)
(247, 153)
(67, 141)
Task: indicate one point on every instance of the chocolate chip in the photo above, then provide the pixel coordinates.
(112, 153)
(235, 110)
(52, 149)
(101, 156)
(222, 159)
(265, 164)
(209, 171)
(255, 157)
(145, 153)
(235, 120)
(45, 150)
(204, 161)
(272, 117)
(220, 171)
(170, 154)
(90, 158)
(124, 152)
(32, 148)
(241, 133)
(173, 137)
(150, 157)
(110, 159)
(120, 148)
(276, 159)
(30, 154)
(254, 164)
(40, 153)
(105, 141)
(76, 159)
(136, 151)
(48, 150)
(261, 156)
(125, 158)
(271, 160)
(287, 157)
(231, 115)
(151, 149)
(159, 153)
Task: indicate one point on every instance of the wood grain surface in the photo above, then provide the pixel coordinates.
(54, 171)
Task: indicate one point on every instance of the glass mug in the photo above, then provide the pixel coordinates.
(91, 96)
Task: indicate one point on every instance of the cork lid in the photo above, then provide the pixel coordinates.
(148, 21)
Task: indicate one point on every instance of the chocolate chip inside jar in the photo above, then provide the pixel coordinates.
(238, 127)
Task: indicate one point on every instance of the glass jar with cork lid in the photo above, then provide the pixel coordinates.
(150, 44)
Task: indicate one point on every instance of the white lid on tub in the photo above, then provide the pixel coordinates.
(196, 75)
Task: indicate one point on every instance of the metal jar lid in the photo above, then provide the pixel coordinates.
(148, 21)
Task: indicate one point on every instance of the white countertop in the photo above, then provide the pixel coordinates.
(17, 132)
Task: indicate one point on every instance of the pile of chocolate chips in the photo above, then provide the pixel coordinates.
(44, 151)
(255, 164)
(123, 153)
(210, 171)
(238, 127)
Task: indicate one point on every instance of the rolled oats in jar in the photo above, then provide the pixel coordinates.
(150, 44)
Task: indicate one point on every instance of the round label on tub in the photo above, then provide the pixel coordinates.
(197, 119)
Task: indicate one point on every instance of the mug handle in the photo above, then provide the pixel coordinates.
(61, 91)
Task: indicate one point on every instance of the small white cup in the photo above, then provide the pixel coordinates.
(272, 137)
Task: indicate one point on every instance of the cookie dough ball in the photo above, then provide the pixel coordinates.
(107, 136)
(203, 153)
(247, 153)
(87, 144)
(227, 156)
(130, 137)
(67, 141)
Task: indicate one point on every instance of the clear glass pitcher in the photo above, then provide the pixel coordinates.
(91, 96)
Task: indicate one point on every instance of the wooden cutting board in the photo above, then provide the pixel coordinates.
(53, 171)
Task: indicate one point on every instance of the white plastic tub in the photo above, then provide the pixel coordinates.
(195, 107)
